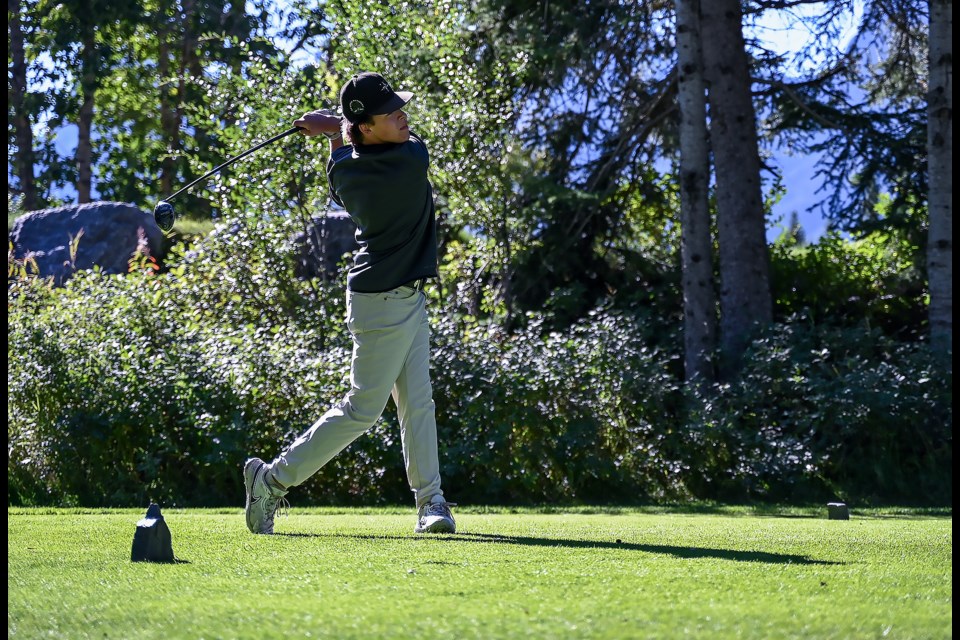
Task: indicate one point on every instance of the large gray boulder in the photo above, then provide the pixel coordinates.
(322, 246)
(112, 234)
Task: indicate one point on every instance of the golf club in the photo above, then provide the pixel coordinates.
(164, 213)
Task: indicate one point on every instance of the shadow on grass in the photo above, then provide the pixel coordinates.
(810, 511)
(174, 561)
(553, 543)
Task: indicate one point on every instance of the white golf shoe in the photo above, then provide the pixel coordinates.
(435, 517)
(262, 500)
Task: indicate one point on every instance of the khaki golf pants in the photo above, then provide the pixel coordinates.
(391, 356)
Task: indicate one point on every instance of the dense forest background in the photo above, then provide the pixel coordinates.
(611, 322)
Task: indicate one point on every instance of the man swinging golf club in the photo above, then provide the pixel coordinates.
(380, 178)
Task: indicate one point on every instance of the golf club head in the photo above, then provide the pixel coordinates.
(164, 215)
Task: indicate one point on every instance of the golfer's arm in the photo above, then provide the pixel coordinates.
(336, 144)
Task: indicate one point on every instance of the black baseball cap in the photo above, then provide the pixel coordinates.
(368, 94)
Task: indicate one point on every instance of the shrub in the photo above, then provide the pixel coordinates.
(124, 388)
(877, 280)
(157, 386)
(587, 414)
(827, 413)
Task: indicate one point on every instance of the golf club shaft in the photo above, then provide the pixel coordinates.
(234, 159)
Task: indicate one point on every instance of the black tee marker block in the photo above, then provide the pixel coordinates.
(151, 540)
(837, 511)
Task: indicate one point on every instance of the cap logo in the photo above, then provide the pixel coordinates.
(356, 106)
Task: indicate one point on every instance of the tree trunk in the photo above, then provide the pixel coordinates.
(699, 298)
(234, 20)
(17, 95)
(168, 117)
(940, 167)
(88, 89)
(745, 298)
(191, 92)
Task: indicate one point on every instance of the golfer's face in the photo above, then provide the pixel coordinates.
(391, 127)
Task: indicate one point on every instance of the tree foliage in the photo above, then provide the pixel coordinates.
(861, 109)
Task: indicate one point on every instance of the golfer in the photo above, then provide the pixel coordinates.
(380, 178)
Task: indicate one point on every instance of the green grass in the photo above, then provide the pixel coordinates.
(192, 227)
(582, 573)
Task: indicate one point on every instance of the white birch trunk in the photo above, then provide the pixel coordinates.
(699, 298)
(745, 298)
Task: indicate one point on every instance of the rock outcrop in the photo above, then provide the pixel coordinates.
(107, 234)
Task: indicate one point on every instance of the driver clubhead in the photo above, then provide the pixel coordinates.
(164, 215)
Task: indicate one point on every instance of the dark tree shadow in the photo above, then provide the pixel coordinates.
(685, 553)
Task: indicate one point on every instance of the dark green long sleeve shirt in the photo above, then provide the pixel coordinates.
(384, 188)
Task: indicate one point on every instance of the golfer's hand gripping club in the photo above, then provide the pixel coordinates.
(322, 121)
(165, 215)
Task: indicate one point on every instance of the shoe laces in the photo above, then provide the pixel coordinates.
(438, 509)
(276, 506)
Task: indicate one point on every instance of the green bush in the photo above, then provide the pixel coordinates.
(157, 386)
(581, 415)
(124, 388)
(827, 413)
(878, 280)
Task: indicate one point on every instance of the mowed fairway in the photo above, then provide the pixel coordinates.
(603, 573)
